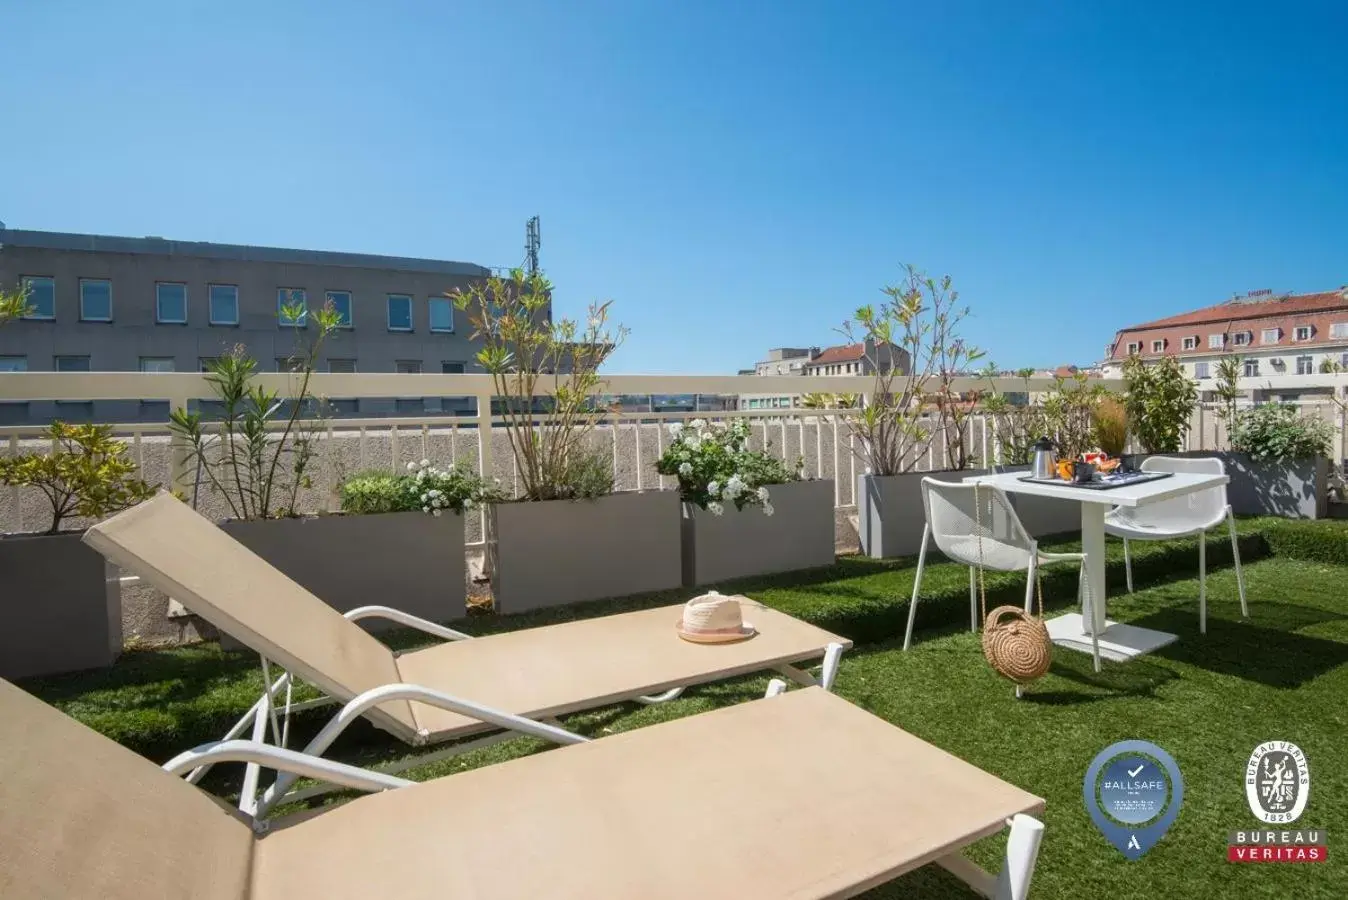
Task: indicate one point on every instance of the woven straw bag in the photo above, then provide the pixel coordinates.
(1017, 644)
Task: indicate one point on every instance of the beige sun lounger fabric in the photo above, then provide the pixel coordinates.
(535, 673)
(802, 795)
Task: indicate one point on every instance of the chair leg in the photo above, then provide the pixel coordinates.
(1128, 564)
(973, 600)
(917, 585)
(1029, 582)
(1202, 582)
(1235, 553)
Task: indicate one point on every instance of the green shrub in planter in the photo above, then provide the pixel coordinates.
(1276, 431)
(1159, 401)
(423, 487)
(715, 466)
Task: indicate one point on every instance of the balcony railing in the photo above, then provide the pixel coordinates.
(821, 437)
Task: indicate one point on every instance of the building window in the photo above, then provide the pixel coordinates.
(442, 314)
(1241, 338)
(1270, 335)
(1343, 360)
(95, 300)
(1305, 365)
(1157, 346)
(451, 368)
(1251, 368)
(1191, 343)
(1134, 347)
(13, 364)
(170, 303)
(71, 364)
(224, 304)
(1302, 333)
(292, 307)
(1201, 370)
(41, 293)
(289, 364)
(408, 367)
(399, 312)
(340, 301)
(342, 366)
(1216, 341)
(156, 364)
(1339, 330)
(208, 363)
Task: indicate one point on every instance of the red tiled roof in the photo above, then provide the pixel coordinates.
(842, 353)
(1229, 311)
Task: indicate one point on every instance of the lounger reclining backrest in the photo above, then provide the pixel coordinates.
(81, 817)
(183, 554)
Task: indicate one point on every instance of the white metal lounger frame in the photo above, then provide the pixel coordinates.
(264, 713)
(1012, 882)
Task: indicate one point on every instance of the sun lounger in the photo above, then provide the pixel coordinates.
(538, 673)
(799, 796)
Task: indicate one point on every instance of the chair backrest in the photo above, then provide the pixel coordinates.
(183, 554)
(1198, 507)
(972, 523)
(81, 816)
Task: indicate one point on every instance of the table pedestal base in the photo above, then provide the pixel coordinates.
(1118, 642)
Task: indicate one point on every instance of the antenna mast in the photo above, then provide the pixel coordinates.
(531, 244)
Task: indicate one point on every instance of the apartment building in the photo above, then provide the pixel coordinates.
(104, 304)
(1287, 334)
(844, 359)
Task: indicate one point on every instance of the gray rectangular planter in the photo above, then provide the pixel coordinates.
(409, 560)
(890, 516)
(559, 552)
(741, 543)
(62, 606)
(1294, 488)
(1043, 516)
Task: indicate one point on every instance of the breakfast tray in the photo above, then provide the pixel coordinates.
(1104, 482)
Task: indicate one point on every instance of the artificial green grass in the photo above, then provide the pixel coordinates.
(1207, 699)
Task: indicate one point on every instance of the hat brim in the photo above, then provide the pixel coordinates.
(746, 631)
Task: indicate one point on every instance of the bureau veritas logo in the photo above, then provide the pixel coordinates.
(1277, 782)
(1277, 787)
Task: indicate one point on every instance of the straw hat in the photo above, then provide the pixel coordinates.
(713, 619)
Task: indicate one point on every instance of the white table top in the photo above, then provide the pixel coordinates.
(1129, 495)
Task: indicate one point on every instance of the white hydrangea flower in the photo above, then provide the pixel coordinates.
(735, 486)
(685, 469)
(715, 508)
(714, 487)
(767, 509)
(467, 504)
(425, 509)
(675, 428)
(425, 463)
(436, 512)
(762, 494)
(411, 467)
(697, 424)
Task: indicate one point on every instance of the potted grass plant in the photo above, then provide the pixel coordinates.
(253, 453)
(745, 512)
(914, 352)
(61, 600)
(566, 536)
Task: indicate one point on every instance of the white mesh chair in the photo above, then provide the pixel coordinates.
(987, 532)
(1192, 514)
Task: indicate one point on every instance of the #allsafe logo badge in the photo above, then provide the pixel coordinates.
(1277, 787)
(1133, 791)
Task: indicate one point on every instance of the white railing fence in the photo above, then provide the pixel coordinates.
(822, 439)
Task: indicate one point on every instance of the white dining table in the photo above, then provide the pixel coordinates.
(1118, 642)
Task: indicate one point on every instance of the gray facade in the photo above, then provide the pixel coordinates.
(118, 304)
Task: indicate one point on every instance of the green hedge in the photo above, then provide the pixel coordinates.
(1322, 540)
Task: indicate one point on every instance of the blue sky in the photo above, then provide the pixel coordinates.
(734, 175)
